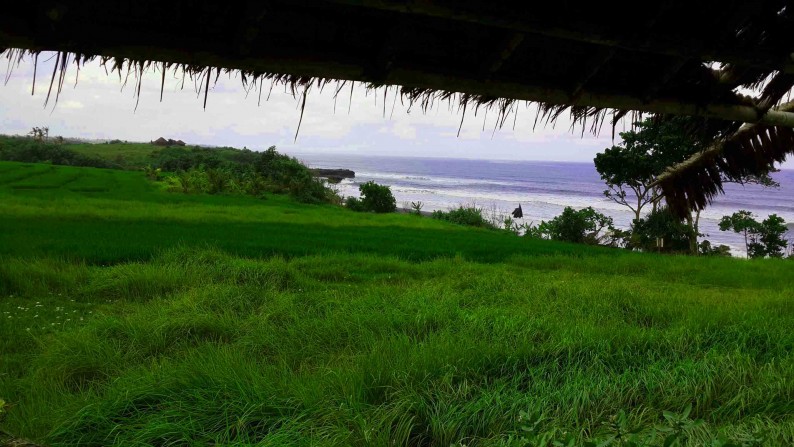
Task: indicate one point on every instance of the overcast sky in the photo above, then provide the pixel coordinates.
(98, 107)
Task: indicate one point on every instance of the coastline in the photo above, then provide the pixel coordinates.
(544, 189)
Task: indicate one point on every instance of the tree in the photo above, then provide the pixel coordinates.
(39, 133)
(377, 198)
(629, 169)
(706, 249)
(585, 226)
(742, 222)
(468, 215)
(772, 230)
(661, 231)
(761, 239)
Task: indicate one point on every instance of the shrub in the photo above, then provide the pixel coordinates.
(353, 203)
(271, 172)
(307, 189)
(192, 181)
(661, 224)
(585, 226)
(152, 173)
(184, 179)
(286, 173)
(218, 180)
(705, 248)
(762, 239)
(773, 229)
(377, 198)
(175, 159)
(35, 151)
(253, 184)
(468, 215)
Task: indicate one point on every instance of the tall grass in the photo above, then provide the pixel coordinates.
(402, 331)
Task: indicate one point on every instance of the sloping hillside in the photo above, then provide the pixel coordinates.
(133, 316)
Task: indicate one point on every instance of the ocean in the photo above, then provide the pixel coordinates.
(542, 188)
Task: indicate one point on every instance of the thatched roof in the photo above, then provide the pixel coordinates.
(594, 60)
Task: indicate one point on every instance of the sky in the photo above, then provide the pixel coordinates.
(97, 107)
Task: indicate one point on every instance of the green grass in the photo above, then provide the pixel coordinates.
(132, 316)
(136, 156)
(132, 155)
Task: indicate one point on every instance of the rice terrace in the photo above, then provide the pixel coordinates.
(174, 290)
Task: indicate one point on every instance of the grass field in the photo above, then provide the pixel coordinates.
(133, 155)
(132, 316)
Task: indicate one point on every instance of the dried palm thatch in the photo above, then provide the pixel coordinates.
(576, 57)
(746, 152)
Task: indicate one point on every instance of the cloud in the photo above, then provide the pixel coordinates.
(71, 105)
(400, 129)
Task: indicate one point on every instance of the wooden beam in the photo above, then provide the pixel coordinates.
(599, 60)
(250, 24)
(753, 58)
(645, 27)
(387, 54)
(502, 54)
(659, 83)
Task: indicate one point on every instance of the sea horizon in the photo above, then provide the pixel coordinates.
(321, 154)
(543, 188)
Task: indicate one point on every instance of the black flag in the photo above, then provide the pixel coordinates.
(518, 213)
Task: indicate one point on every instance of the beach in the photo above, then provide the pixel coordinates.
(542, 188)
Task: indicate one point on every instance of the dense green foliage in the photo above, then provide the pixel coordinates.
(268, 171)
(354, 204)
(584, 226)
(135, 156)
(773, 229)
(29, 150)
(192, 169)
(761, 239)
(374, 198)
(469, 215)
(707, 249)
(137, 317)
(661, 225)
(377, 198)
(291, 175)
(184, 158)
(630, 169)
